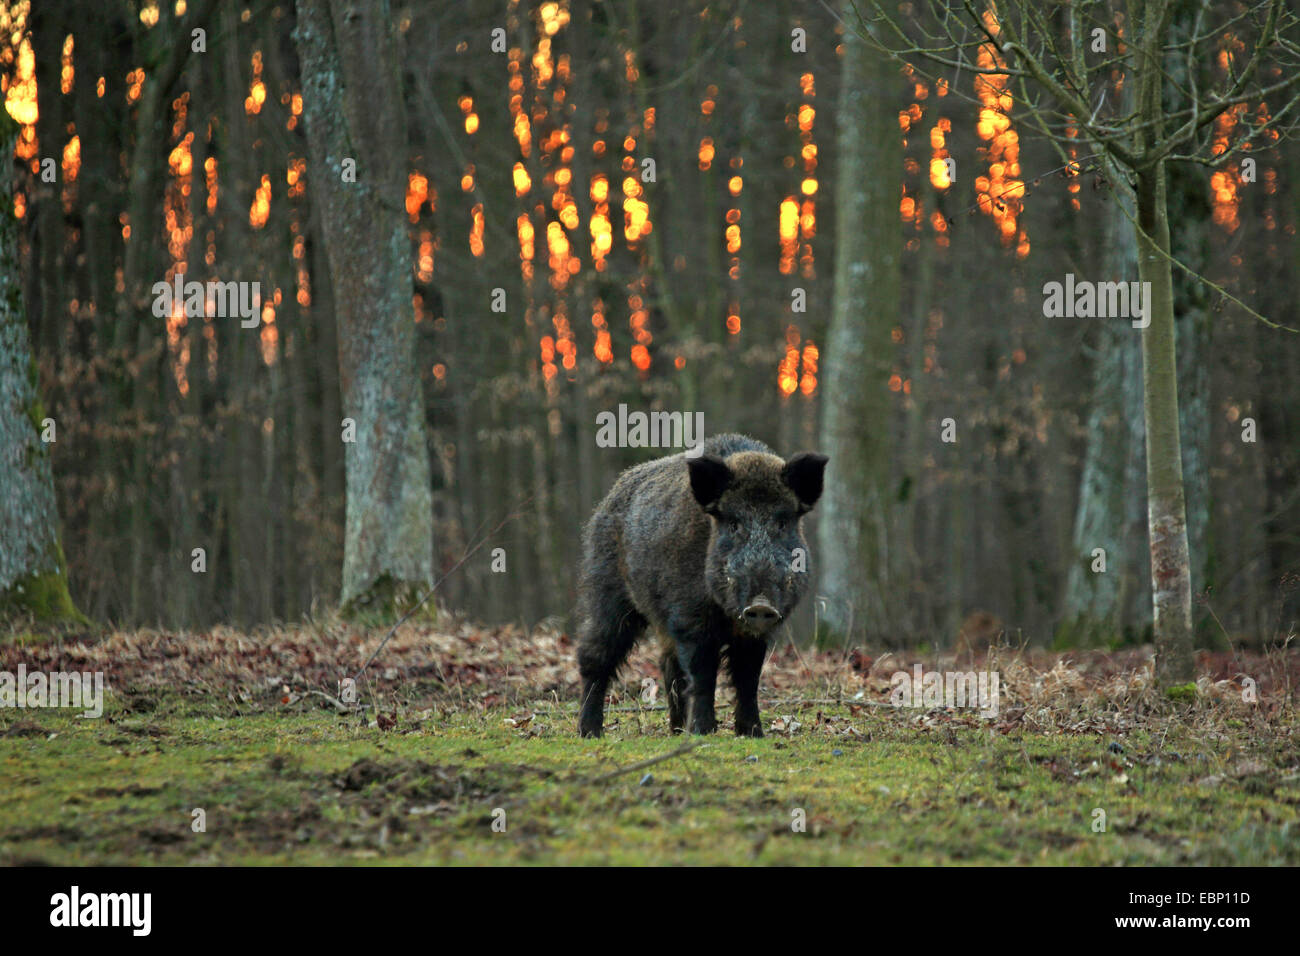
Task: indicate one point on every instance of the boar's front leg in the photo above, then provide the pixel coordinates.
(745, 658)
(699, 658)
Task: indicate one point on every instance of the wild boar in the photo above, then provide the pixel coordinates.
(708, 552)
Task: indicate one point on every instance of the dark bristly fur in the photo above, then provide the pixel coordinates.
(702, 552)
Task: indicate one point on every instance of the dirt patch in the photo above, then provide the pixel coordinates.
(25, 728)
(134, 790)
(420, 781)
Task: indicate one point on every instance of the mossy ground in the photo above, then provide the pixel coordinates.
(302, 783)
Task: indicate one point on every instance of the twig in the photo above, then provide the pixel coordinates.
(564, 787)
(341, 707)
(631, 768)
(573, 711)
(1173, 260)
(436, 584)
(844, 701)
(766, 702)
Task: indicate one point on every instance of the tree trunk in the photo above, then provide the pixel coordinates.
(1193, 335)
(33, 575)
(857, 508)
(1190, 217)
(1094, 607)
(1171, 590)
(353, 108)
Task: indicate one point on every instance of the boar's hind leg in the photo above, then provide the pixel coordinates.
(677, 685)
(745, 660)
(699, 658)
(607, 634)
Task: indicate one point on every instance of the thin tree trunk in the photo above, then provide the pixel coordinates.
(49, 236)
(1171, 591)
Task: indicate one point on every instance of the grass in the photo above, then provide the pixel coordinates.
(478, 776)
(318, 788)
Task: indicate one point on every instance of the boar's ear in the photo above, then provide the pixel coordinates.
(803, 473)
(710, 477)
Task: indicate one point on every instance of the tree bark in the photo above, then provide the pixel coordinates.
(857, 510)
(1193, 336)
(1171, 586)
(352, 104)
(33, 575)
(1094, 610)
(1171, 589)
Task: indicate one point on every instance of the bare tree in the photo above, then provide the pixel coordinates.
(1062, 64)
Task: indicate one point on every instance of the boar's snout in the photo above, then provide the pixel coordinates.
(760, 615)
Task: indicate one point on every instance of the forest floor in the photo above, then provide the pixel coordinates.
(463, 750)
